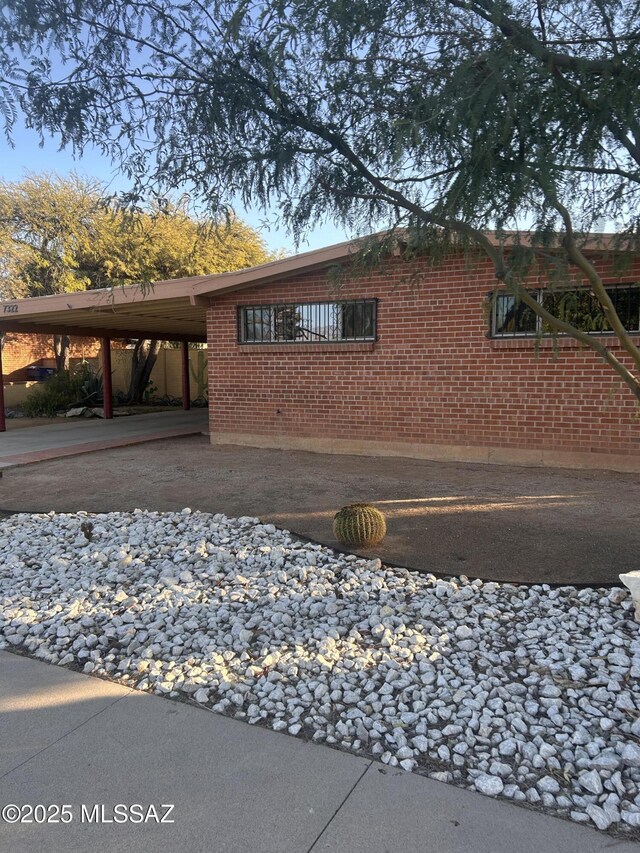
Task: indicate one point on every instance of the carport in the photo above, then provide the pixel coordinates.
(174, 310)
(167, 310)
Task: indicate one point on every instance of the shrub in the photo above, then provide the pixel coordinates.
(63, 390)
(57, 392)
(359, 525)
(90, 385)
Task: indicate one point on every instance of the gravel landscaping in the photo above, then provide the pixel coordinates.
(524, 692)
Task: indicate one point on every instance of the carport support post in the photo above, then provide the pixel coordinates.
(3, 424)
(186, 390)
(107, 393)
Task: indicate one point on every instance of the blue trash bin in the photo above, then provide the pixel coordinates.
(38, 373)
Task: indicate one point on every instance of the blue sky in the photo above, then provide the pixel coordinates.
(28, 156)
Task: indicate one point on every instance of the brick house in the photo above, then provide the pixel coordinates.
(434, 377)
(433, 369)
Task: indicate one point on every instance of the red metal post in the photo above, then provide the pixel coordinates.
(186, 390)
(3, 424)
(105, 345)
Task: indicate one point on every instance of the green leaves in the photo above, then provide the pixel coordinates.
(441, 102)
(445, 118)
(63, 235)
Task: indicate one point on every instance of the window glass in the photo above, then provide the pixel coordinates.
(578, 306)
(258, 324)
(357, 320)
(627, 304)
(312, 322)
(512, 318)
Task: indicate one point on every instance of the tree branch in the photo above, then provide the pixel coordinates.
(525, 39)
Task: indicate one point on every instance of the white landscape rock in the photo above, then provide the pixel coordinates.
(598, 816)
(548, 785)
(631, 755)
(489, 785)
(525, 692)
(591, 781)
(421, 743)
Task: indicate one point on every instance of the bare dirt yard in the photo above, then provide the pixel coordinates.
(493, 522)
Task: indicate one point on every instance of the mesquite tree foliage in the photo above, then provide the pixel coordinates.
(442, 117)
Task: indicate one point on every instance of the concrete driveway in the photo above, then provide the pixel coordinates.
(81, 435)
(494, 522)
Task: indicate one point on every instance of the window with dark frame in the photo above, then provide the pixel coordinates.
(578, 306)
(308, 322)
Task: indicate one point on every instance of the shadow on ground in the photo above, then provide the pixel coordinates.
(494, 522)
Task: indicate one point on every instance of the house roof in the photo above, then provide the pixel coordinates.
(175, 309)
(275, 270)
(212, 285)
(166, 310)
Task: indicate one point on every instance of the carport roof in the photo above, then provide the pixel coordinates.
(162, 311)
(166, 310)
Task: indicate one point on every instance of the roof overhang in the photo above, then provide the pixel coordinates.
(295, 265)
(163, 310)
(166, 310)
(276, 270)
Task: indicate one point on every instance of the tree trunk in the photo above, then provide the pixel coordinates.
(143, 359)
(61, 344)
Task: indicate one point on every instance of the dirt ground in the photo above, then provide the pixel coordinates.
(494, 522)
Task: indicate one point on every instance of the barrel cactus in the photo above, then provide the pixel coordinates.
(359, 526)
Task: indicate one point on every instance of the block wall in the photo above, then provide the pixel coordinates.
(21, 351)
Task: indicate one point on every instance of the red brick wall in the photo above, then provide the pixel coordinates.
(433, 376)
(21, 351)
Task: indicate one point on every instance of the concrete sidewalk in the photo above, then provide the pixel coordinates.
(52, 441)
(72, 739)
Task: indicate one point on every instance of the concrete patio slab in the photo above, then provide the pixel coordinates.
(391, 810)
(40, 704)
(53, 441)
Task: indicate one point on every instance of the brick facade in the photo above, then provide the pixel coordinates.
(433, 385)
(22, 351)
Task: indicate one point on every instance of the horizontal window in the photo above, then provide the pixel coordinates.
(307, 322)
(511, 318)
